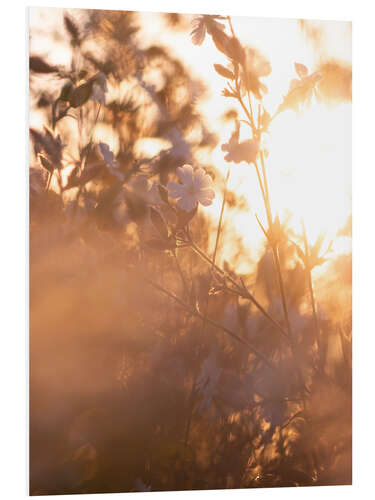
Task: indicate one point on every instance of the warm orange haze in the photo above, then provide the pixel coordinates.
(190, 252)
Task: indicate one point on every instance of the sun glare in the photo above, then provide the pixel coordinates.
(310, 152)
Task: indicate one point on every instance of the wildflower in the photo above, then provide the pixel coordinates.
(301, 89)
(256, 66)
(238, 152)
(195, 187)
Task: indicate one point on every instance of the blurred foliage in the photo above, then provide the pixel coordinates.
(128, 391)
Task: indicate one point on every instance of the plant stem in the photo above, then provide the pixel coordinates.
(242, 291)
(84, 159)
(221, 217)
(183, 280)
(231, 26)
(311, 290)
(274, 248)
(213, 323)
(193, 393)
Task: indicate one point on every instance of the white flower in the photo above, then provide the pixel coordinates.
(195, 187)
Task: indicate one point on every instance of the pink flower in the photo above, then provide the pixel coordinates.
(195, 186)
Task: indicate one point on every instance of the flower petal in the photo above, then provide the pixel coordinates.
(201, 179)
(206, 196)
(205, 201)
(175, 190)
(187, 203)
(185, 174)
(207, 193)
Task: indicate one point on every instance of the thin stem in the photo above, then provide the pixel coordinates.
(251, 111)
(311, 290)
(183, 280)
(264, 173)
(231, 25)
(213, 323)
(242, 291)
(276, 259)
(191, 408)
(49, 180)
(282, 290)
(240, 100)
(192, 394)
(213, 264)
(275, 251)
(84, 159)
(260, 183)
(221, 217)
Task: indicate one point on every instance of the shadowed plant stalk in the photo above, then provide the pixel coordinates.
(193, 393)
(263, 184)
(311, 291)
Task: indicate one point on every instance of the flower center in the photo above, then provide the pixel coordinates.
(191, 189)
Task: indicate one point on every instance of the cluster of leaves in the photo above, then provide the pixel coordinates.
(141, 111)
